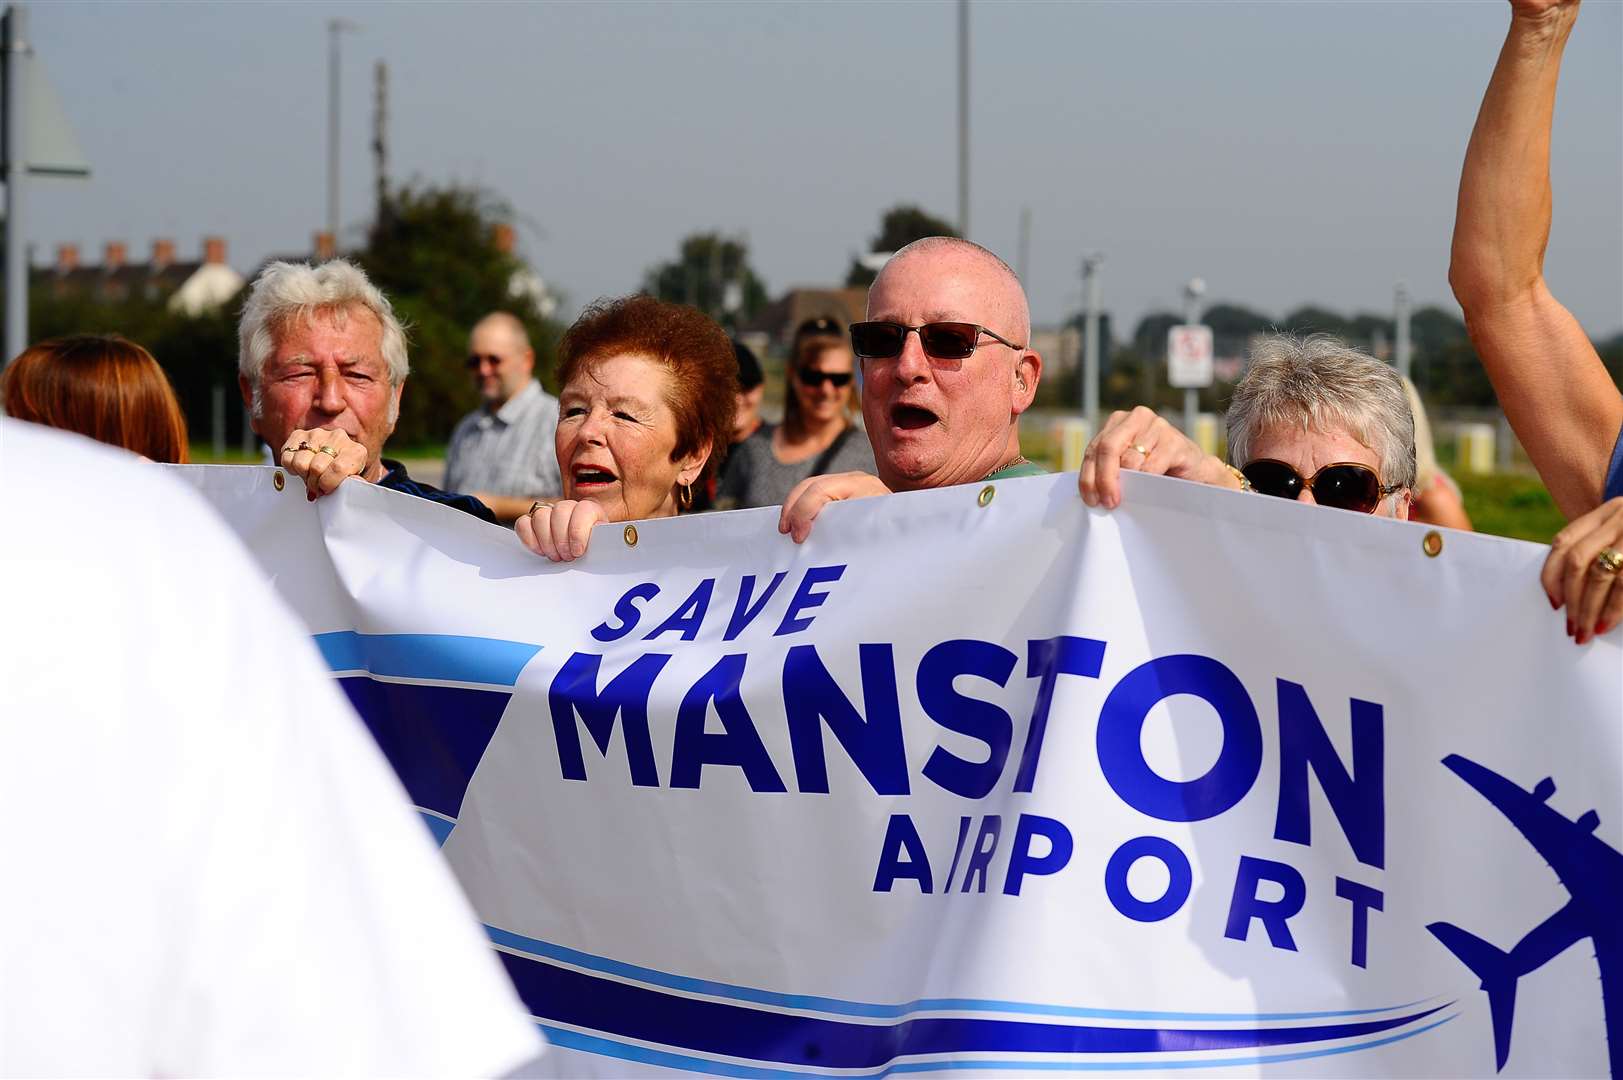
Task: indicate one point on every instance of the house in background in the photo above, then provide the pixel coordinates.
(774, 328)
(189, 287)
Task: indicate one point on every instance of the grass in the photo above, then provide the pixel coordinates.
(1510, 504)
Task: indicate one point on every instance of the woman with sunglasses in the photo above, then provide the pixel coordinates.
(1312, 420)
(817, 435)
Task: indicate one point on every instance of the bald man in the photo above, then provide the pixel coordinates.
(503, 450)
(947, 369)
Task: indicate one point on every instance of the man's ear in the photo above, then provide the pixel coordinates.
(689, 468)
(247, 388)
(1027, 371)
(394, 405)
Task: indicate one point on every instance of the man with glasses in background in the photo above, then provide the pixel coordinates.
(502, 452)
(947, 369)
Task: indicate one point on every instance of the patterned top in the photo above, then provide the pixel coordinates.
(397, 480)
(752, 475)
(509, 451)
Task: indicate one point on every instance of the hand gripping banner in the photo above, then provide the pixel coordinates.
(980, 780)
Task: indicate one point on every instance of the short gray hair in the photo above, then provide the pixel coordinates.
(928, 244)
(1318, 382)
(285, 291)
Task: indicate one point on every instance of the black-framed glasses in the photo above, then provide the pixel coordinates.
(475, 360)
(1345, 485)
(814, 378)
(941, 340)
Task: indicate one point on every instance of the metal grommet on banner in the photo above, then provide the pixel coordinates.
(279, 481)
(631, 536)
(985, 497)
(1432, 545)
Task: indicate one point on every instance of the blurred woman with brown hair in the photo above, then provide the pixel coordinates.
(818, 434)
(102, 386)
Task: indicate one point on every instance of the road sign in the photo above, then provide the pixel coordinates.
(1189, 356)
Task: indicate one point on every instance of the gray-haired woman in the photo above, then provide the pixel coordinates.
(1312, 420)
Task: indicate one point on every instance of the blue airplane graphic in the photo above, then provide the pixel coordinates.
(1592, 872)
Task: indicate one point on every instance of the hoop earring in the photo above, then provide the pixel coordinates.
(684, 498)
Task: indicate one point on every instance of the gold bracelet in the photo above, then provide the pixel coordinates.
(1245, 485)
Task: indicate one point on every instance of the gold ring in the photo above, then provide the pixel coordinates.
(1142, 450)
(538, 504)
(301, 446)
(329, 451)
(1609, 561)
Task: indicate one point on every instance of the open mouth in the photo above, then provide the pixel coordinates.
(911, 417)
(589, 476)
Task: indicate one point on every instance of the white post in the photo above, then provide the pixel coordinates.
(1401, 304)
(15, 48)
(1090, 340)
(1192, 294)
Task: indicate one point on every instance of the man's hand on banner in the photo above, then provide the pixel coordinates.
(1582, 571)
(809, 497)
(1142, 441)
(323, 458)
(560, 530)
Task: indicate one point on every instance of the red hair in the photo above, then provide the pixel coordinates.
(106, 387)
(687, 343)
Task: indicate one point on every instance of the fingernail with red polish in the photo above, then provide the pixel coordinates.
(1555, 605)
(1601, 628)
(1570, 628)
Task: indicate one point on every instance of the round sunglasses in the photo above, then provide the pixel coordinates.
(941, 340)
(1345, 485)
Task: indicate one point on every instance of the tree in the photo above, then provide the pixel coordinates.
(899, 227)
(433, 252)
(711, 272)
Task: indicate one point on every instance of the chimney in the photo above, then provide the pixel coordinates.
(503, 237)
(324, 246)
(112, 256)
(214, 250)
(163, 253)
(67, 258)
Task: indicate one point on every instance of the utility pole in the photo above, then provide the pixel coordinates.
(335, 27)
(963, 118)
(1090, 340)
(1400, 302)
(1022, 259)
(380, 134)
(16, 170)
(1192, 294)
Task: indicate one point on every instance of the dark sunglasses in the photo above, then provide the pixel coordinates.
(813, 378)
(1345, 485)
(941, 340)
(474, 360)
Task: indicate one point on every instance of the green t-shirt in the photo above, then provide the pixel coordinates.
(1019, 468)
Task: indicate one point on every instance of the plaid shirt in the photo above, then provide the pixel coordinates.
(509, 451)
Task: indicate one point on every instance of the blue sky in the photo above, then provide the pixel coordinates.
(1286, 152)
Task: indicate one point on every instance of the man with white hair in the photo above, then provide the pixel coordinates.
(503, 451)
(321, 365)
(947, 369)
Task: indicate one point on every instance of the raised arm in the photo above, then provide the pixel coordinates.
(1551, 383)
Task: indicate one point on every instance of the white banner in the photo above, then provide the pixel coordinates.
(982, 780)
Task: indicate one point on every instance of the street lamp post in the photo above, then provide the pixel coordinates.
(335, 27)
(1090, 340)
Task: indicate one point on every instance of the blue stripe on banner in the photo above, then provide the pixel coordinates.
(841, 1007)
(437, 825)
(581, 1000)
(592, 1044)
(433, 736)
(446, 657)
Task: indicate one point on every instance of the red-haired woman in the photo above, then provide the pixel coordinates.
(102, 386)
(645, 415)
